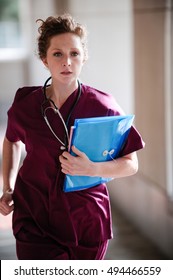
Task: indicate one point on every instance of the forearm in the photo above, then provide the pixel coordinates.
(121, 167)
(10, 163)
(82, 166)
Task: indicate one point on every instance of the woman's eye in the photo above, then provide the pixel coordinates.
(74, 53)
(57, 54)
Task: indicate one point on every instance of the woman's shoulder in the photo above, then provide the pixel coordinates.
(101, 99)
(95, 92)
(25, 91)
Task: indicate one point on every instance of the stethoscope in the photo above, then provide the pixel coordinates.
(52, 105)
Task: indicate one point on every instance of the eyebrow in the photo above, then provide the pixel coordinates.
(57, 49)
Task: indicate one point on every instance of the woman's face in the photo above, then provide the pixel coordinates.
(65, 57)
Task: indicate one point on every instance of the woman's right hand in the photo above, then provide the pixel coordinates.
(6, 203)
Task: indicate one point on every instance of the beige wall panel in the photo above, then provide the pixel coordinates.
(149, 92)
(149, 4)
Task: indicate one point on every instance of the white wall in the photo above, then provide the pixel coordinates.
(109, 67)
(110, 64)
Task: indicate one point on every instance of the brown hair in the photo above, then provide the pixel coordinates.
(58, 25)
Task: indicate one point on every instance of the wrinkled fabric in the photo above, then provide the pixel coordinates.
(48, 249)
(40, 205)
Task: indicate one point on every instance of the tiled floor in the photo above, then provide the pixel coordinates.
(128, 243)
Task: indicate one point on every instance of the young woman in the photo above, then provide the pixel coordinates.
(47, 222)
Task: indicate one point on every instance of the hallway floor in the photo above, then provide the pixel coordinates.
(128, 243)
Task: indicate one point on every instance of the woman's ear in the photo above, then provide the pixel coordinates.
(44, 60)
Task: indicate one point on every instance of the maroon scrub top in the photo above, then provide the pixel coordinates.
(40, 205)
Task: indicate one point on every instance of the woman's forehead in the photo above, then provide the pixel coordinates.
(65, 40)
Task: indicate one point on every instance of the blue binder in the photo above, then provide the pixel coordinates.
(101, 139)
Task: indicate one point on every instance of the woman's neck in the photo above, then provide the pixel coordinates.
(59, 93)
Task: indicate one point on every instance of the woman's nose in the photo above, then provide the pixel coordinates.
(66, 62)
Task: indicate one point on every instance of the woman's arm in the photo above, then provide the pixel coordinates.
(10, 163)
(81, 165)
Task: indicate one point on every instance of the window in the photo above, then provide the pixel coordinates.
(10, 33)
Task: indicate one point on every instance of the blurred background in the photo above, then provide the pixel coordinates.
(130, 56)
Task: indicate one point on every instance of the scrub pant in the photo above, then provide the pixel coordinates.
(30, 247)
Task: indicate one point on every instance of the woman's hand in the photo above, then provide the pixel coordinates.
(6, 203)
(81, 165)
(76, 165)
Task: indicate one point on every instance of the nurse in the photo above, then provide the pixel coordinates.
(47, 222)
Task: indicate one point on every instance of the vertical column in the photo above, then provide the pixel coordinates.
(149, 58)
(168, 96)
(61, 6)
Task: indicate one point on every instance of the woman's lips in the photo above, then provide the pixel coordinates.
(66, 73)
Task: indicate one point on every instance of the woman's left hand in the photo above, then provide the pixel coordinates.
(76, 165)
(6, 203)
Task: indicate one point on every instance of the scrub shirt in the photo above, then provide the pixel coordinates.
(42, 211)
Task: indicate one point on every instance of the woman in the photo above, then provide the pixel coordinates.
(47, 222)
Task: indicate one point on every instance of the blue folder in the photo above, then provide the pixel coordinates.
(101, 139)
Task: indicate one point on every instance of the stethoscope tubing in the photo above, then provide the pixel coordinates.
(56, 110)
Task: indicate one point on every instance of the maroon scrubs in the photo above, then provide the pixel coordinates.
(48, 223)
